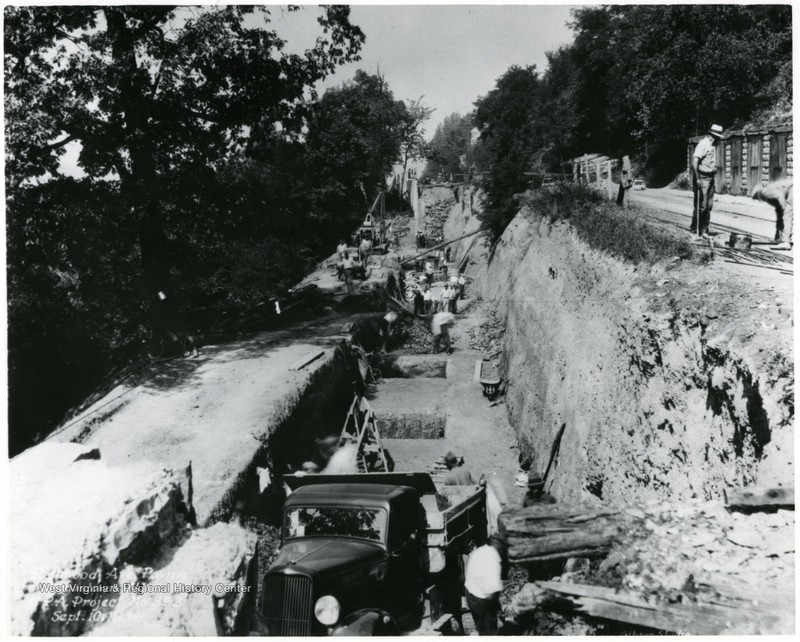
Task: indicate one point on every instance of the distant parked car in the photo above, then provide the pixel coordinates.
(638, 183)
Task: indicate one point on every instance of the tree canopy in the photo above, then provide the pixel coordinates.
(637, 80)
(185, 118)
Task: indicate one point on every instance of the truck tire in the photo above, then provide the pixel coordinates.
(367, 622)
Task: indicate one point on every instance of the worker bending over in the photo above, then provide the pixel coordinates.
(779, 195)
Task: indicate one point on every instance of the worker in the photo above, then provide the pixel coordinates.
(440, 327)
(341, 248)
(388, 326)
(419, 299)
(483, 583)
(496, 500)
(625, 183)
(447, 254)
(779, 195)
(364, 250)
(429, 272)
(536, 494)
(704, 167)
(427, 297)
(444, 299)
(326, 448)
(457, 473)
(461, 283)
(347, 268)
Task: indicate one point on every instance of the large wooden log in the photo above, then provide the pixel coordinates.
(684, 618)
(560, 531)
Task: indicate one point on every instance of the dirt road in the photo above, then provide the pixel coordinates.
(738, 214)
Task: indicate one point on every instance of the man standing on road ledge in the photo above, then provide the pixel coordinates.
(779, 195)
(704, 167)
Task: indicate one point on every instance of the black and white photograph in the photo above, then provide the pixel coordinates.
(399, 319)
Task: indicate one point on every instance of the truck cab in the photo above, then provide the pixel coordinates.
(369, 553)
(347, 548)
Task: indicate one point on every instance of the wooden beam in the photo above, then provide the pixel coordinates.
(683, 618)
(758, 497)
(306, 359)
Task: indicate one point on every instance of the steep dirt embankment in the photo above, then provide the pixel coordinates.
(672, 381)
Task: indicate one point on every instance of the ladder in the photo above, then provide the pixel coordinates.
(361, 428)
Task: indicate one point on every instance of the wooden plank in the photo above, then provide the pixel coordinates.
(560, 531)
(684, 618)
(758, 497)
(309, 357)
(476, 376)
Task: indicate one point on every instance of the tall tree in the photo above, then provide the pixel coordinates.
(412, 136)
(513, 133)
(354, 136)
(449, 144)
(151, 93)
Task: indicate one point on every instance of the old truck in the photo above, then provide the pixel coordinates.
(370, 554)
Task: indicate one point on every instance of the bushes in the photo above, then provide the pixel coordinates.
(606, 227)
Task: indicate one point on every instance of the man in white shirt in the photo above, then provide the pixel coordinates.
(483, 584)
(704, 168)
(444, 306)
(440, 328)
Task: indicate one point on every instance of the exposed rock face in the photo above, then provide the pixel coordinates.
(77, 523)
(200, 591)
(673, 381)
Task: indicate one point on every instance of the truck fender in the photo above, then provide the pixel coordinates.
(367, 622)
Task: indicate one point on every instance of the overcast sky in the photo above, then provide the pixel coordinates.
(450, 54)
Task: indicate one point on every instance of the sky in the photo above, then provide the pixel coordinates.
(448, 54)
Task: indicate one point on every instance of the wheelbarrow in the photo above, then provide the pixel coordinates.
(490, 380)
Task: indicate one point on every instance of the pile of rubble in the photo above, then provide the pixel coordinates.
(414, 334)
(697, 568)
(488, 337)
(435, 218)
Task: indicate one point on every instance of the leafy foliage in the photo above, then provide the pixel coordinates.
(184, 117)
(354, 137)
(605, 227)
(638, 80)
(512, 134)
(448, 146)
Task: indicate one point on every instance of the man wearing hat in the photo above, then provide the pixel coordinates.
(457, 474)
(483, 584)
(536, 494)
(704, 168)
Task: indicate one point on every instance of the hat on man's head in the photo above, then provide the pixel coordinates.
(535, 480)
(450, 459)
(715, 130)
(756, 192)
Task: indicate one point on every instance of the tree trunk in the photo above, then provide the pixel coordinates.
(142, 185)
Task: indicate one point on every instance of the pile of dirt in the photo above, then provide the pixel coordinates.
(414, 335)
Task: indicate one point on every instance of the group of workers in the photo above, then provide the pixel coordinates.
(779, 193)
(486, 565)
(447, 301)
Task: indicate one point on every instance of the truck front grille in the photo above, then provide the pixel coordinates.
(287, 606)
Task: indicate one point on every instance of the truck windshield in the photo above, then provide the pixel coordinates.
(364, 523)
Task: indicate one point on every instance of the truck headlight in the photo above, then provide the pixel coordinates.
(327, 610)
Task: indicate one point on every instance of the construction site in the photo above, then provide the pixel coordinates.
(656, 403)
